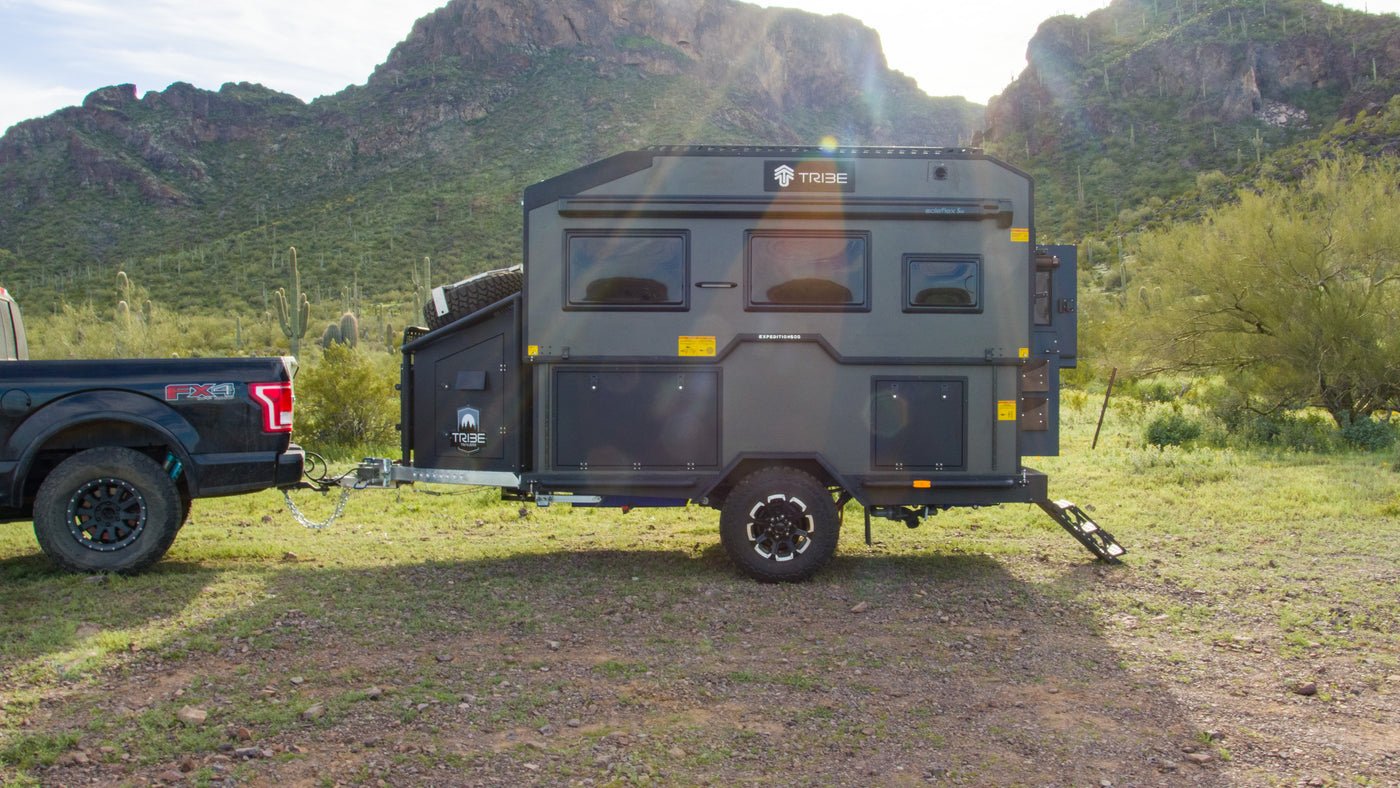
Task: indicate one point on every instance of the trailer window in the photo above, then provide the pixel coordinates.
(942, 283)
(807, 271)
(637, 269)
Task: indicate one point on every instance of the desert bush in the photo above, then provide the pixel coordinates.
(1306, 431)
(1368, 434)
(346, 401)
(1172, 429)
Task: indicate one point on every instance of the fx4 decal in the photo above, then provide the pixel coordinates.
(201, 392)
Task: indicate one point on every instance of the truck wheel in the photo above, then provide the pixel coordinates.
(107, 510)
(779, 525)
(470, 295)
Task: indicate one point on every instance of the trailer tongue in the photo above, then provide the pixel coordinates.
(771, 332)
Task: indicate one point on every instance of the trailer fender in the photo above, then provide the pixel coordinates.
(746, 464)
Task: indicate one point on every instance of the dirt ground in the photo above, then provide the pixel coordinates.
(884, 671)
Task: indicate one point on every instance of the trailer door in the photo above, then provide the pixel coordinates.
(1055, 346)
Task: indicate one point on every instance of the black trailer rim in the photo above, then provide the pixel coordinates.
(780, 528)
(106, 514)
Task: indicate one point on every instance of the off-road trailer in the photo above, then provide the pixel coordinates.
(771, 332)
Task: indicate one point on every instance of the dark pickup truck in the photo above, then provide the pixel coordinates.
(106, 455)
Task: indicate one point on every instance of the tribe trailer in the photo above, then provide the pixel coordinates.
(769, 331)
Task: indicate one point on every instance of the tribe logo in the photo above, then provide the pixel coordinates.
(812, 175)
(468, 437)
(203, 392)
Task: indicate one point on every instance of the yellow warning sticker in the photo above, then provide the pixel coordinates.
(1020, 235)
(533, 350)
(1025, 352)
(1006, 410)
(697, 346)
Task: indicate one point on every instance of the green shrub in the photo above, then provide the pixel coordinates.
(346, 401)
(1368, 434)
(1308, 431)
(1172, 429)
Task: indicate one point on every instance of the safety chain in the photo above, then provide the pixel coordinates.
(301, 518)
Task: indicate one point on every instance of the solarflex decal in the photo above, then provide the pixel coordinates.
(468, 437)
(809, 175)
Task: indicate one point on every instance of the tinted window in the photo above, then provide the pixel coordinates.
(808, 271)
(942, 283)
(1042, 298)
(633, 270)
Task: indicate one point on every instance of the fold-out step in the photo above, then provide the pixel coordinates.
(1081, 527)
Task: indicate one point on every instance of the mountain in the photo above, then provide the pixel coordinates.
(1140, 113)
(1118, 111)
(185, 188)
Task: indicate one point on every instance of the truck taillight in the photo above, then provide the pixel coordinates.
(276, 400)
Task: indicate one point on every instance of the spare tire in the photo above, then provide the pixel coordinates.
(450, 303)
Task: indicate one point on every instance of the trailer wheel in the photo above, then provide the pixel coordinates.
(107, 510)
(470, 295)
(779, 525)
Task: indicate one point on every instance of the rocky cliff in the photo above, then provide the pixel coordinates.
(1134, 101)
(792, 58)
(534, 87)
(1226, 63)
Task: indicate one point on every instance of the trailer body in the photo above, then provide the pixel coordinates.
(718, 325)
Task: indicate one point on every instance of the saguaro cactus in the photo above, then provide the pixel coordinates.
(294, 319)
(330, 336)
(422, 284)
(350, 329)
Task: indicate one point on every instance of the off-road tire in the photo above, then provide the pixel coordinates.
(471, 295)
(110, 509)
(779, 525)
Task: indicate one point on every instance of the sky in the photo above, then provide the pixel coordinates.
(55, 52)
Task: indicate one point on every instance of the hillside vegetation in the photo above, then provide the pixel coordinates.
(1141, 119)
(1124, 109)
(199, 194)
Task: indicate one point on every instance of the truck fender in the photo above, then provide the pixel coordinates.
(87, 411)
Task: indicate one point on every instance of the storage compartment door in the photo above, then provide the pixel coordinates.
(469, 411)
(467, 400)
(919, 423)
(639, 419)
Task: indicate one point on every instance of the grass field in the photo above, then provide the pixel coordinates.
(442, 637)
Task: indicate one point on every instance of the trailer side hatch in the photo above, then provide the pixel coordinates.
(920, 423)
(636, 418)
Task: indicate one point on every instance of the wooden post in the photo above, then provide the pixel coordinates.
(1112, 376)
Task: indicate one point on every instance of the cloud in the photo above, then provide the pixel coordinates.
(25, 100)
(54, 52)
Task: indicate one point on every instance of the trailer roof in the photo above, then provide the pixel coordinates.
(626, 163)
(816, 150)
